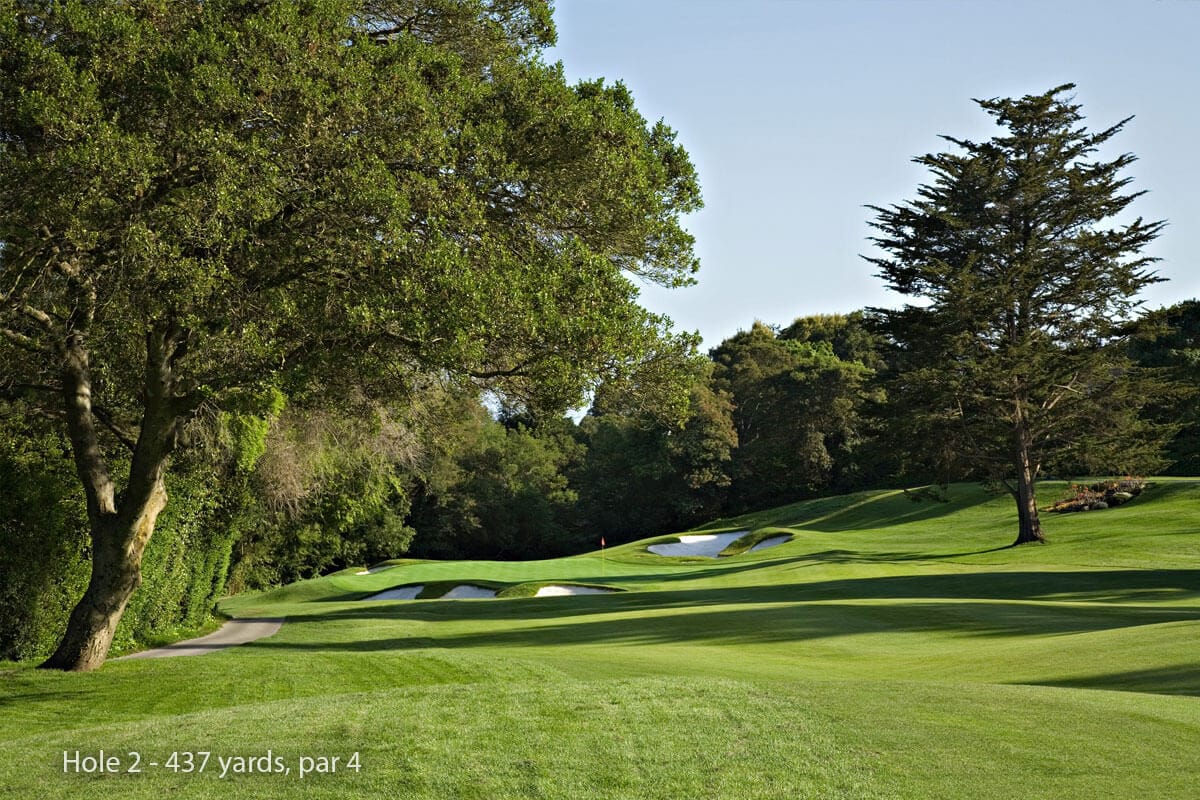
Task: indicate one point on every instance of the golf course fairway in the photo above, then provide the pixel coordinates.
(889, 649)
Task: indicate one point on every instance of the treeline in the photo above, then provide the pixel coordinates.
(295, 487)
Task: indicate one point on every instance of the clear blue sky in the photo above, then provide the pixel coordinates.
(797, 114)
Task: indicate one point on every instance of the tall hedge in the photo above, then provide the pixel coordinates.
(43, 537)
(45, 552)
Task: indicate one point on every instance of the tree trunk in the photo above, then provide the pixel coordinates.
(120, 528)
(117, 549)
(1029, 527)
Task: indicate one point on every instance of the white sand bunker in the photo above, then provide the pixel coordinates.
(771, 542)
(463, 591)
(379, 568)
(468, 592)
(562, 591)
(403, 593)
(704, 545)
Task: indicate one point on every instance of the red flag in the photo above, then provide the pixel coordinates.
(602, 541)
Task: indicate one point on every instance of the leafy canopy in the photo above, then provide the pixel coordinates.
(796, 408)
(323, 190)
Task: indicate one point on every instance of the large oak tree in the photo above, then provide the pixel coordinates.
(1013, 361)
(203, 200)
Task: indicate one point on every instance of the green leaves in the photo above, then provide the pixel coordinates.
(797, 406)
(306, 187)
(203, 198)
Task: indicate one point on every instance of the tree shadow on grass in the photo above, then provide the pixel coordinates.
(986, 605)
(1093, 586)
(798, 623)
(874, 509)
(885, 511)
(860, 557)
(15, 698)
(1179, 679)
(672, 572)
(675, 572)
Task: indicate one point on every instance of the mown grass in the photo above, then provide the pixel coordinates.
(890, 649)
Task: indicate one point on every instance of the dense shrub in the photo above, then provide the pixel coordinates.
(502, 493)
(1099, 496)
(330, 491)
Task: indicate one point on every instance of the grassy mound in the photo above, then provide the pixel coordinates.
(750, 540)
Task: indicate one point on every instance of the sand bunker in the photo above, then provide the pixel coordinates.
(765, 543)
(468, 592)
(562, 591)
(704, 545)
(463, 591)
(402, 593)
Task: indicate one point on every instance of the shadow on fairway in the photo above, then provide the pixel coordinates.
(885, 511)
(1180, 679)
(873, 510)
(860, 557)
(19, 699)
(858, 511)
(674, 571)
(792, 623)
(1095, 586)
(688, 571)
(971, 605)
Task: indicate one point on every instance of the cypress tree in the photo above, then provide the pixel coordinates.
(1013, 363)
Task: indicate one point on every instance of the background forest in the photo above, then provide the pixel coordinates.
(303, 489)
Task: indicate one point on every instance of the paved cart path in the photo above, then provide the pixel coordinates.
(234, 632)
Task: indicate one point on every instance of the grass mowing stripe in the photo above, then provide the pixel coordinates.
(664, 738)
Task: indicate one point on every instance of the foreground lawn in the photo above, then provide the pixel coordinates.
(890, 649)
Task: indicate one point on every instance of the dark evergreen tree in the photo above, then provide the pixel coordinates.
(641, 476)
(503, 494)
(1171, 342)
(1014, 362)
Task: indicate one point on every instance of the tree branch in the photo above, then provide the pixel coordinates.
(38, 316)
(124, 436)
(15, 391)
(22, 341)
(158, 433)
(89, 460)
(1052, 401)
(518, 370)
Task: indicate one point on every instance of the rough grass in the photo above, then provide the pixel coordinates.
(890, 649)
